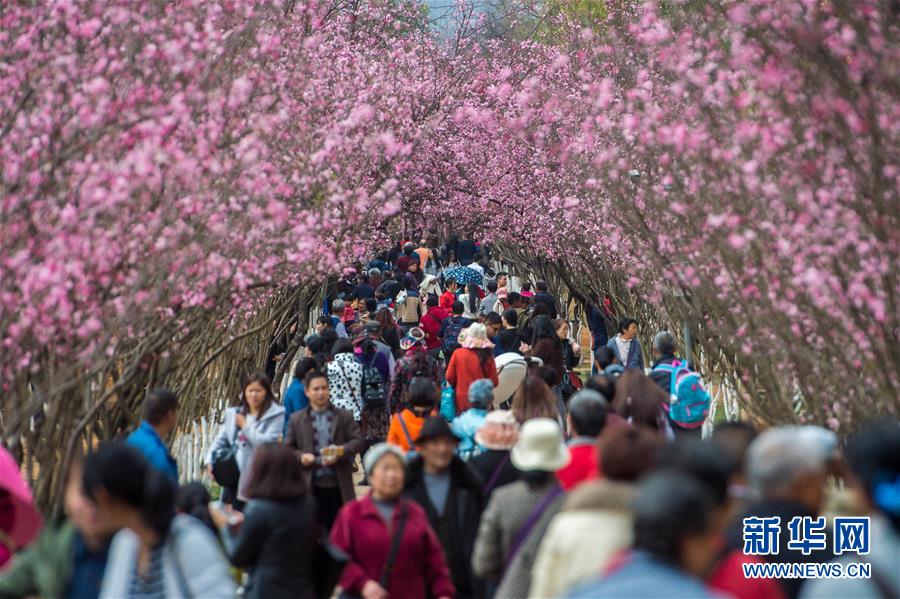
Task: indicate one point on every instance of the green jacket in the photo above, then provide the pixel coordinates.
(45, 567)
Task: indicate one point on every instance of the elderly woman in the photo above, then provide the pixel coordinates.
(393, 550)
(481, 394)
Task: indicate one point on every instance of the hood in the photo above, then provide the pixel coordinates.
(276, 410)
(600, 495)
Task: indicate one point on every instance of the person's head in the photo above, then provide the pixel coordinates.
(663, 344)
(337, 307)
(472, 296)
(329, 336)
(274, 474)
(315, 344)
(540, 448)
(161, 411)
(515, 300)
(604, 356)
(672, 521)
(705, 463)
(541, 309)
(373, 329)
(374, 273)
(422, 394)
(81, 511)
(386, 318)
(628, 328)
(604, 385)
(874, 458)
(457, 308)
(562, 327)
(733, 440)
(509, 341)
(494, 323)
(436, 444)
(432, 302)
(481, 393)
(315, 385)
(354, 301)
(401, 278)
(628, 453)
(451, 284)
(322, 323)
(639, 400)
(783, 463)
(491, 286)
(342, 346)
(526, 286)
(587, 413)
(502, 279)
(408, 248)
(542, 327)
(541, 286)
(413, 267)
(257, 395)
(533, 399)
(510, 318)
(193, 499)
(127, 491)
(371, 305)
(303, 366)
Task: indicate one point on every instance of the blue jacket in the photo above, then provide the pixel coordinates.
(464, 427)
(635, 357)
(148, 443)
(643, 576)
(294, 400)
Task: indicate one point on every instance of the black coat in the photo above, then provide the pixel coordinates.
(487, 463)
(662, 377)
(542, 297)
(276, 544)
(465, 503)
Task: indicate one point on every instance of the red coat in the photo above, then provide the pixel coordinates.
(728, 576)
(431, 324)
(464, 369)
(420, 569)
(446, 300)
(585, 465)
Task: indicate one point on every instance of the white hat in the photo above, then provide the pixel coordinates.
(476, 337)
(540, 447)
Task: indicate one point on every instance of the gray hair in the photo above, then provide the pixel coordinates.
(779, 455)
(378, 451)
(337, 306)
(664, 342)
(374, 272)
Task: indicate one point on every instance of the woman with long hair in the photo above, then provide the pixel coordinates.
(546, 345)
(640, 401)
(390, 330)
(275, 539)
(257, 421)
(470, 301)
(472, 361)
(534, 399)
(156, 553)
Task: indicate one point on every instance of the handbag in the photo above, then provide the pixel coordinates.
(224, 464)
(448, 402)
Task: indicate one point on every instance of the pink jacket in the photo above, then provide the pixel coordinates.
(420, 569)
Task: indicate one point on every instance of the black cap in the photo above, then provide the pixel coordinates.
(435, 427)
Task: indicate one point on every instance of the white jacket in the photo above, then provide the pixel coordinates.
(593, 526)
(193, 563)
(260, 432)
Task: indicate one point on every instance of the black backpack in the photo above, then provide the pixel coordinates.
(373, 391)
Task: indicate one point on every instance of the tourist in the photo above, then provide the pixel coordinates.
(394, 553)
(338, 307)
(345, 379)
(512, 367)
(534, 399)
(294, 397)
(276, 536)
(497, 436)
(156, 553)
(257, 421)
(641, 402)
(494, 324)
(466, 250)
(488, 302)
(470, 301)
(390, 331)
(416, 363)
(543, 297)
(450, 492)
(449, 295)
(376, 384)
(519, 513)
(664, 356)
(401, 264)
(409, 308)
(626, 346)
(547, 345)
(431, 326)
(464, 426)
(451, 328)
(472, 361)
(421, 397)
(325, 440)
(160, 419)
(595, 522)
(587, 415)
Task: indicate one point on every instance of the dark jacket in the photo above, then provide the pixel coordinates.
(487, 463)
(786, 510)
(465, 252)
(276, 543)
(542, 297)
(459, 526)
(344, 431)
(663, 378)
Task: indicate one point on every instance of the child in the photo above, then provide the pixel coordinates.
(405, 425)
(481, 393)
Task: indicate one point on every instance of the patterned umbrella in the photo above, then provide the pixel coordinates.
(464, 275)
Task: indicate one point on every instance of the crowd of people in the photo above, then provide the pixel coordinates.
(436, 441)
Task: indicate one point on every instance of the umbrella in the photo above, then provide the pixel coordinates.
(26, 520)
(464, 275)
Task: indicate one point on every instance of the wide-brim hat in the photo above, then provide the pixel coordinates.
(26, 518)
(476, 337)
(435, 427)
(413, 337)
(499, 432)
(540, 447)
